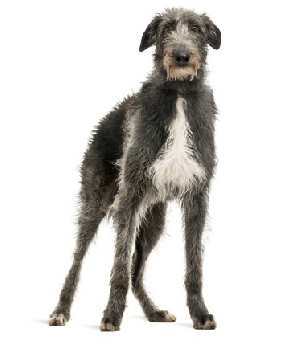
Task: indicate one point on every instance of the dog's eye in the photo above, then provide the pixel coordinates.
(195, 28)
(169, 26)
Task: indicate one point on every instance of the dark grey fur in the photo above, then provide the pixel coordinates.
(115, 170)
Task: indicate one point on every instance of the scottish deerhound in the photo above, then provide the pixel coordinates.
(157, 145)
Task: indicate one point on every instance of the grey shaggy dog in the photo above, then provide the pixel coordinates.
(157, 145)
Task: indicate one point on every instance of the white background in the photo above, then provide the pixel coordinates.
(63, 65)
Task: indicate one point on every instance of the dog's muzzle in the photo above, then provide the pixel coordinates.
(181, 57)
(181, 64)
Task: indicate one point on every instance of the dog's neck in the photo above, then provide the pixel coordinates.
(185, 87)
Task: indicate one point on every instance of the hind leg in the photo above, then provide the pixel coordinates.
(87, 231)
(93, 210)
(149, 234)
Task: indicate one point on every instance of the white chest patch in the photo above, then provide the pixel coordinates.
(176, 166)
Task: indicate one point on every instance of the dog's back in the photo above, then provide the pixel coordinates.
(100, 169)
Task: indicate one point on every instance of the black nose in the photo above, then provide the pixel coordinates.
(182, 57)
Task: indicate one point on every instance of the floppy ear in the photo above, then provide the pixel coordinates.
(212, 33)
(214, 36)
(149, 36)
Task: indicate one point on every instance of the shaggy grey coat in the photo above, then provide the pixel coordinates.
(155, 146)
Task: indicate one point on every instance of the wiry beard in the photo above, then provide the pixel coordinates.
(176, 73)
(181, 73)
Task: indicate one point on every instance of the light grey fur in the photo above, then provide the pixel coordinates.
(176, 166)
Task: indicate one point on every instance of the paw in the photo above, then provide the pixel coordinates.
(107, 325)
(161, 316)
(57, 319)
(206, 322)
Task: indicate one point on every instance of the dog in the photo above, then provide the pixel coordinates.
(155, 146)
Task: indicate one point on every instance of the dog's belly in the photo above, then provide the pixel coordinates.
(176, 170)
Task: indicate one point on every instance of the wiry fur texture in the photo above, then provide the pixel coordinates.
(155, 146)
(176, 166)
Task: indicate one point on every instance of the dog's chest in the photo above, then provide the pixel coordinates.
(176, 166)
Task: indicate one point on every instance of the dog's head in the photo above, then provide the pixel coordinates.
(181, 38)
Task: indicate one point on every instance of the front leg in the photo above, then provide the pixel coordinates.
(125, 218)
(195, 207)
